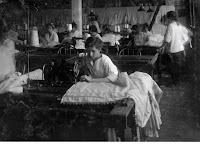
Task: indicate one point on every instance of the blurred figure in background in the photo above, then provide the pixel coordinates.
(74, 30)
(51, 38)
(93, 21)
(134, 31)
(146, 30)
(7, 51)
(94, 32)
(71, 35)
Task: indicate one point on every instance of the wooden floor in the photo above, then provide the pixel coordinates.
(179, 111)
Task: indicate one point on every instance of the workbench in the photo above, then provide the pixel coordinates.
(39, 105)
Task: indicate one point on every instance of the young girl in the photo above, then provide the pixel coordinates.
(174, 36)
(93, 31)
(51, 37)
(100, 65)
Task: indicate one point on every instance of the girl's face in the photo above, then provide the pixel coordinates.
(50, 29)
(93, 52)
(168, 21)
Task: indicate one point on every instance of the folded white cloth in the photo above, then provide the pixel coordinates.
(155, 40)
(147, 102)
(112, 38)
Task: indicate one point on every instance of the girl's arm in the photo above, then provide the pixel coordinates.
(97, 80)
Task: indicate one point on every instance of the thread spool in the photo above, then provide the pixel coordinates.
(116, 28)
(25, 26)
(126, 26)
(69, 27)
(87, 27)
(34, 41)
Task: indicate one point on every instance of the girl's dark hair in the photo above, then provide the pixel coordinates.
(135, 29)
(145, 26)
(172, 15)
(94, 41)
(3, 29)
(93, 28)
(50, 25)
(74, 25)
(92, 19)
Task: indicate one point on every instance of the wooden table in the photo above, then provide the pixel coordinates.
(118, 116)
(117, 119)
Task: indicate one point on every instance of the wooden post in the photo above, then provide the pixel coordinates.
(77, 14)
(155, 14)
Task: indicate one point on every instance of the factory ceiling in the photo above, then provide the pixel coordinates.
(66, 4)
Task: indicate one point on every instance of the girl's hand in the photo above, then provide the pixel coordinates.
(160, 50)
(86, 78)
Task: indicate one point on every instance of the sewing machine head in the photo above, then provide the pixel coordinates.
(61, 72)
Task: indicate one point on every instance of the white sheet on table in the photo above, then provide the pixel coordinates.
(138, 86)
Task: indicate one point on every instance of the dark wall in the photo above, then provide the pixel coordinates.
(196, 54)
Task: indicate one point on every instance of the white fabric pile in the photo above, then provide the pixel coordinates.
(155, 40)
(111, 38)
(13, 82)
(80, 44)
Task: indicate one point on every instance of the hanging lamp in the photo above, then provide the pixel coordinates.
(150, 9)
(141, 8)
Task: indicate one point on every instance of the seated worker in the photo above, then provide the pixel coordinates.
(71, 35)
(100, 65)
(146, 30)
(74, 30)
(134, 31)
(105, 29)
(94, 32)
(93, 21)
(51, 38)
(140, 37)
(13, 35)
